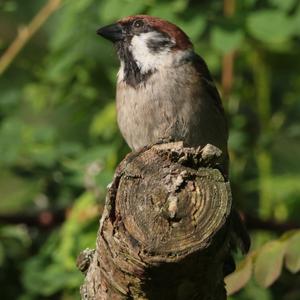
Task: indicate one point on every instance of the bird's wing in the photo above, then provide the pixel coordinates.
(207, 81)
(209, 89)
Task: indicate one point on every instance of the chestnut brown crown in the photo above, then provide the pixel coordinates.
(149, 22)
(135, 25)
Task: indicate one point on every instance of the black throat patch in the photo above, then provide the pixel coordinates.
(132, 73)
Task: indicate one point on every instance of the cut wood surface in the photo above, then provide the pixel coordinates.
(165, 232)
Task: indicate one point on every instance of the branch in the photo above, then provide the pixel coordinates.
(228, 59)
(46, 219)
(26, 33)
(166, 230)
(255, 223)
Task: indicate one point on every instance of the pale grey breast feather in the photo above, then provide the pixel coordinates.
(159, 110)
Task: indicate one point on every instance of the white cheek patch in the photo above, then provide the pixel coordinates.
(146, 59)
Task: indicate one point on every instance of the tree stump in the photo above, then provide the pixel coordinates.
(165, 232)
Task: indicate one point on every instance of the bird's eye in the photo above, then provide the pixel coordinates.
(138, 23)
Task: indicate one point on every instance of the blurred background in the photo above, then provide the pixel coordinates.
(59, 141)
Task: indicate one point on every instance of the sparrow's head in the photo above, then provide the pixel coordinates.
(146, 43)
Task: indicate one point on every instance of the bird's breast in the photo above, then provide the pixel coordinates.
(150, 112)
(169, 105)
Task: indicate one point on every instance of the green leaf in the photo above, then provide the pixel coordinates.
(2, 254)
(270, 26)
(45, 279)
(249, 3)
(296, 22)
(10, 148)
(239, 278)
(268, 263)
(283, 187)
(164, 11)
(15, 240)
(83, 212)
(9, 6)
(194, 28)
(226, 40)
(18, 233)
(179, 5)
(285, 5)
(17, 192)
(115, 9)
(104, 123)
(292, 257)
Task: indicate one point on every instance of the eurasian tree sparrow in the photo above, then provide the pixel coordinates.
(166, 93)
(164, 90)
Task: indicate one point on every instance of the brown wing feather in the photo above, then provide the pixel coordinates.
(211, 91)
(208, 82)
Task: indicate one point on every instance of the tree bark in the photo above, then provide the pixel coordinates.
(165, 232)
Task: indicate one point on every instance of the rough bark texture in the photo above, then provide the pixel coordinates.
(165, 232)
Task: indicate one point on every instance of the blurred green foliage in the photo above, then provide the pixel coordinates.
(59, 141)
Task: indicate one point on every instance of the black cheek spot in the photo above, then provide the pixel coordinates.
(132, 73)
(158, 45)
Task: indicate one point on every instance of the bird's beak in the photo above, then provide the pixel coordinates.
(113, 32)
